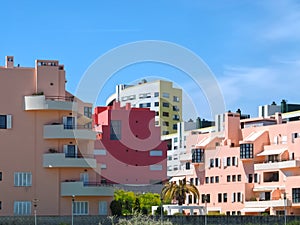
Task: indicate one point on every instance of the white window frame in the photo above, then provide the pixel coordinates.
(80, 207)
(22, 179)
(22, 208)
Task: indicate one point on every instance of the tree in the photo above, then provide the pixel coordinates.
(137, 205)
(172, 190)
(116, 207)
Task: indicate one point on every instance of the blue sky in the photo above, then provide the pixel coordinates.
(252, 47)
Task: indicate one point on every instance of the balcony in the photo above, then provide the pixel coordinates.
(60, 131)
(277, 165)
(60, 160)
(41, 102)
(80, 188)
(267, 203)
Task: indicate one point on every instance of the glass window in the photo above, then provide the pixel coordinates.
(156, 94)
(22, 179)
(103, 208)
(217, 179)
(156, 167)
(115, 130)
(0, 176)
(228, 178)
(205, 198)
(156, 113)
(250, 178)
(22, 207)
(207, 180)
(156, 103)
(175, 108)
(165, 123)
(88, 112)
(187, 165)
(176, 117)
(239, 177)
(219, 197)
(196, 181)
(155, 153)
(174, 126)
(239, 197)
(246, 151)
(176, 99)
(165, 132)
(228, 161)
(166, 104)
(2, 121)
(80, 208)
(166, 95)
(233, 178)
(296, 195)
(197, 155)
(224, 197)
(166, 114)
(212, 180)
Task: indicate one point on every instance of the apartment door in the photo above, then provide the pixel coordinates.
(70, 151)
(84, 177)
(69, 122)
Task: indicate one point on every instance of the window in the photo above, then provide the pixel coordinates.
(88, 112)
(187, 165)
(255, 178)
(69, 122)
(196, 181)
(217, 162)
(239, 197)
(100, 152)
(166, 104)
(225, 197)
(228, 161)
(155, 153)
(165, 123)
(246, 151)
(217, 179)
(70, 151)
(175, 99)
(22, 179)
(239, 177)
(166, 114)
(192, 180)
(176, 117)
(197, 155)
(250, 178)
(156, 113)
(271, 176)
(296, 195)
(80, 208)
(145, 105)
(166, 95)
(234, 161)
(0, 205)
(156, 103)
(233, 197)
(5, 121)
(156, 167)
(207, 180)
(212, 180)
(233, 178)
(174, 126)
(228, 178)
(115, 130)
(175, 139)
(220, 197)
(156, 94)
(165, 132)
(103, 208)
(0, 176)
(175, 108)
(205, 198)
(211, 162)
(22, 208)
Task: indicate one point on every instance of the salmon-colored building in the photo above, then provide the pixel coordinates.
(46, 155)
(247, 167)
(129, 147)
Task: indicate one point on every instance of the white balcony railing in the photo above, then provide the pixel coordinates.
(55, 160)
(59, 131)
(277, 165)
(42, 102)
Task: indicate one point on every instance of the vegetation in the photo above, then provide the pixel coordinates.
(139, 219)
(127, 202)
(172, 190)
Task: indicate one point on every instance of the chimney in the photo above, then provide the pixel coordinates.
(9, 62)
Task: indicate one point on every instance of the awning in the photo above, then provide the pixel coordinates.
(253, 136)
(272, 152)
(205, 141)
(185, 157)
(177, 178)
(254, 209)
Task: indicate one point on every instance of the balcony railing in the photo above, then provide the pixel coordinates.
(61, 160)
(277, 164)
(60, 98)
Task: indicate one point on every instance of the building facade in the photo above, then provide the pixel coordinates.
(247, 167)
(46, 159)
(160, 96)
(129, 147)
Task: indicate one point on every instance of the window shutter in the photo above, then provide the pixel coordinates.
(236, 161)
(8, 121)
(65, 149)
(233, 197)
(219, 162)
(224, 162)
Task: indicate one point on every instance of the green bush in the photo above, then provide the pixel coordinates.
(140, 219)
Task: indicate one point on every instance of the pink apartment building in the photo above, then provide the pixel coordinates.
(247, 167)
(129, 147)
(46, 159)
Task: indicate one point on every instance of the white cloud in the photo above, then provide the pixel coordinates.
(248, 87)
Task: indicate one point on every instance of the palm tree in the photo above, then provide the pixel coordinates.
(172, 190)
